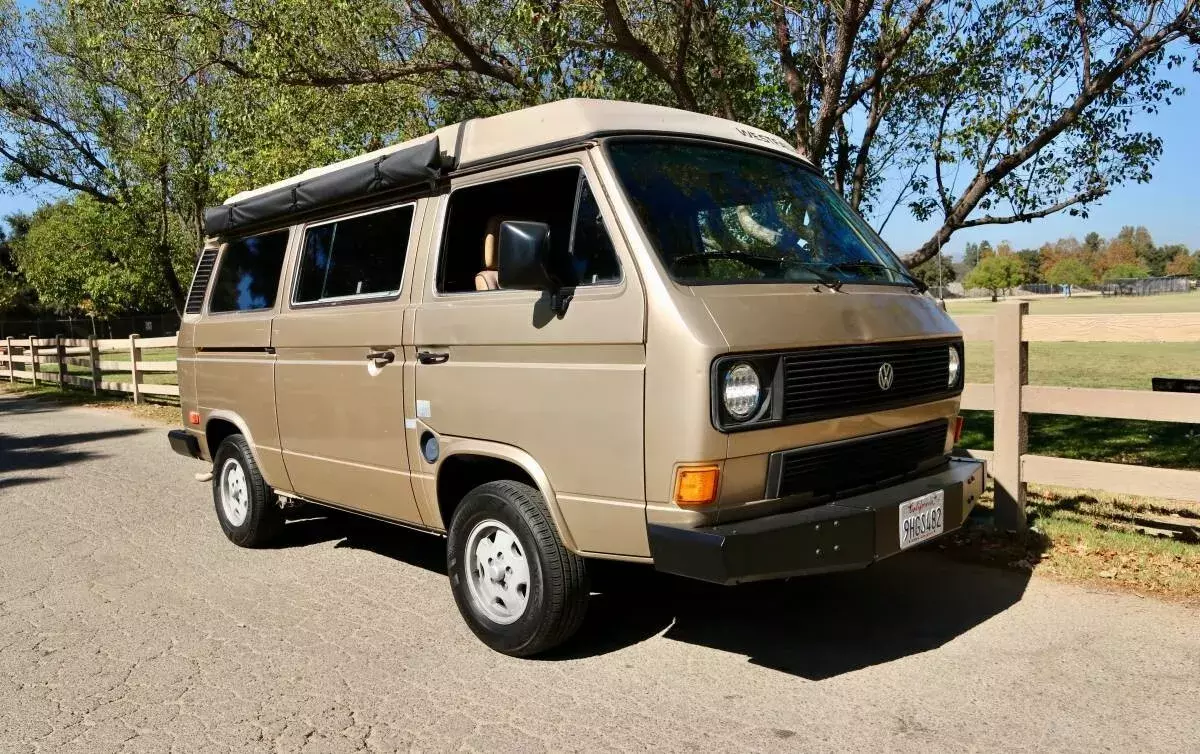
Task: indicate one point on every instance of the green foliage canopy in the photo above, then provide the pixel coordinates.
(161, 107)
(1126, 271)
(1070, 272)
(83, 255)
(996, 274)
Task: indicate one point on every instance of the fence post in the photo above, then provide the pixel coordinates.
(33, 365)
(9, 353)
(134, 353)
(60, 352)
(94, 356)
(1010, 424)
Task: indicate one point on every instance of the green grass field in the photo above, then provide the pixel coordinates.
(1128, 366)
(1165, 303)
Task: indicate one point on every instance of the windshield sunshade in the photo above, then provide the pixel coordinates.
(725, 215)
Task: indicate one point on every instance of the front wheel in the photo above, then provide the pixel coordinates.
(518, 588)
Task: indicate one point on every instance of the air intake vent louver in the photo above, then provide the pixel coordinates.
(204, 269)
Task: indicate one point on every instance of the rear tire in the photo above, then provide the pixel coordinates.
(517, 587)
(245, 504)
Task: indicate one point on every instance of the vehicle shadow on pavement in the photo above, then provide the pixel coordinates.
(19, 453)
(315, 524)
(815, 627)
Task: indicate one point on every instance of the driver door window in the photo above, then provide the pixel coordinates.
(561, 198)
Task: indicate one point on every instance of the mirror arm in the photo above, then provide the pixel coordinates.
(560, 300)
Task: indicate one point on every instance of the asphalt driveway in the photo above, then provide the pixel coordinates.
(129, 623)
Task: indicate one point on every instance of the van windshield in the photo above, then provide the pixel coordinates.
(725, 215)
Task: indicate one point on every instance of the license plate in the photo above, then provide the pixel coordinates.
(922, 518)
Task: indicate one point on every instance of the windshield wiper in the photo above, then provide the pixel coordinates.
(815, 270)
(863, 263)
(821, 275)
(738, 256)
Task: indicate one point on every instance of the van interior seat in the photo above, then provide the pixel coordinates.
(488, 278)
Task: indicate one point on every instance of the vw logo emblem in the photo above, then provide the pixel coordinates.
(886, 375)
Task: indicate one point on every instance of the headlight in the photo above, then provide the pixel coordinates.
(742, 391)
(955, 367)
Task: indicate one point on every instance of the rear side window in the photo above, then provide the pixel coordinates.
(358, 256)
(248, 275)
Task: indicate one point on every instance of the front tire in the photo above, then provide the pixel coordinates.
(517, 587)
(245, 505)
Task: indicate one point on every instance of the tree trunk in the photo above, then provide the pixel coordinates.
(174, 287)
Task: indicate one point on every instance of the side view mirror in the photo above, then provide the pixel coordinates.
(523, 249)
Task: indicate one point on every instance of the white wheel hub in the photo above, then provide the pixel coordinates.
(235, 493)
(497, 572)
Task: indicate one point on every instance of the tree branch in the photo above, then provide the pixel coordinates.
(1085, 43)
(791, 77)
(627, 42)
(854, 12)
(467, 49)
(986, 179)
(38, 173)
(326, 80)
(915, 21)
(685, 40)
(1020, 217)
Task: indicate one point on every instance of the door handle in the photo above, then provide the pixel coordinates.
(429, 357)
(381, 357)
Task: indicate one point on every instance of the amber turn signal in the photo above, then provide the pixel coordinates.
(193, 417)
(958, 425)
(696, 485)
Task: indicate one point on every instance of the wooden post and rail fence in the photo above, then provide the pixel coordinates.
(82, 363)
(1011, 399)
(1009, 396)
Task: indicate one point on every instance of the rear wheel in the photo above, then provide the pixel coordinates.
(518, 588)
(245, 505)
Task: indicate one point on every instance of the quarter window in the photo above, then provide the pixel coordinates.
(248, 277)
(358, 256)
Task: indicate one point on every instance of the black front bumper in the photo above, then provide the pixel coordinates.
(184, 443)
(842, 535)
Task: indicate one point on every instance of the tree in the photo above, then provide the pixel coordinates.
(1160, 257)
(1070, 272)
(1031, 263)
(996, 274)
(936, 272)
(971, 254)
(1184, 263)
(83, 255)
(1126, 271)
(16, 295)
(123, 103)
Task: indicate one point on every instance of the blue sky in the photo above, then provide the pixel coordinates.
(1167, 205)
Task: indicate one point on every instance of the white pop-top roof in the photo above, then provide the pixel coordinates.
(562, 121)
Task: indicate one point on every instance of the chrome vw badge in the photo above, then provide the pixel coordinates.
(886, 375)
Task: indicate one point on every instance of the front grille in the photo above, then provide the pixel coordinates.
(204, 268)
(843, 381)
(824, 470)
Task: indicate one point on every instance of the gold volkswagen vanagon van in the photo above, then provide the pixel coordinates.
(581, 330)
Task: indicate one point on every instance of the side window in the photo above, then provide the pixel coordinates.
(248, 273)
(358, 256)
(559, 197)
